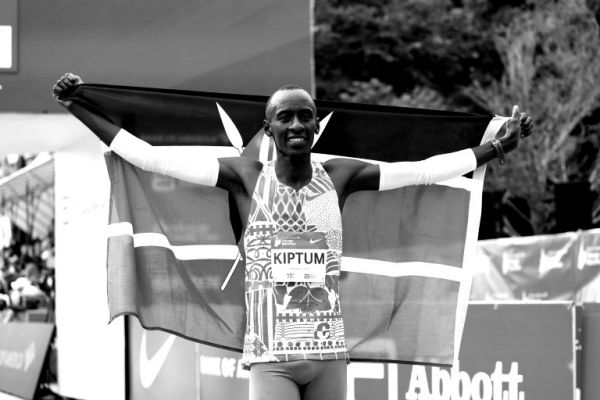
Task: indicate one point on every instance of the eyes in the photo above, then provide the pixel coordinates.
(304, 116)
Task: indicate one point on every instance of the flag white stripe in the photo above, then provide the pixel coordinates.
(184, 253)
(230, 252)
(399, 269)
(473, 220)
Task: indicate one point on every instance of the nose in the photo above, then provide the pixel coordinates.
(296, 125)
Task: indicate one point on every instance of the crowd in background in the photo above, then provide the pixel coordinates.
(26, 264)
(27, 279)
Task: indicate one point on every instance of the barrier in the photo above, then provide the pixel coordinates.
(564, 266)
(23, 348)
(509, 352)
(590, 352)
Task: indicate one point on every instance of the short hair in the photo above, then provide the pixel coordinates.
(291, 86)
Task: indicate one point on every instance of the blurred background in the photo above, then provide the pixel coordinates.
(538, 237)
(484, 56)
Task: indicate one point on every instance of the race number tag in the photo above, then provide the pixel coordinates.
(298, 257)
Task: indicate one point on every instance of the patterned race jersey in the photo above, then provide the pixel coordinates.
(293, 246)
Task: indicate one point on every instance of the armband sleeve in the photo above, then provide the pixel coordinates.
(203, 171)
(434, 169)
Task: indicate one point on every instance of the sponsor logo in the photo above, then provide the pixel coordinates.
(297, 241)
(150, 367)
(511, 261)
(534, 295)
(588, 256)
(454, 384)
(551, 259)
(225, 367)
(18, 360)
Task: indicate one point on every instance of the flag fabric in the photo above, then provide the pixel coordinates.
(172, 256)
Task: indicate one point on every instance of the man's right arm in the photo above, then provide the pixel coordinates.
(204, 171)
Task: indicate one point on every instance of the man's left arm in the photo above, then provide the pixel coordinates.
(438, 168)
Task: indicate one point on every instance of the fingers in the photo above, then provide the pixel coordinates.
(66, 81)
(522, 123)
(515, 113)
(526, 123)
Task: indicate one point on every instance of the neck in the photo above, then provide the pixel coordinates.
(295, 172)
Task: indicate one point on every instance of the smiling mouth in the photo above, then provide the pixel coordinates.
(296, 140)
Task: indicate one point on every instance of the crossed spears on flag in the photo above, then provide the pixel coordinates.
(233, 134)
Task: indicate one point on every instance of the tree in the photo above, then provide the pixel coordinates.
(551, 58)
(478, 55)
(434, 44)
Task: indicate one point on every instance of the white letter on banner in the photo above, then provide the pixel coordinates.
(418, 381)
(364, 371)
(461, 384)
(440, 384)
(514, 378)
(497, 380)
(483, 381)
(392, 382)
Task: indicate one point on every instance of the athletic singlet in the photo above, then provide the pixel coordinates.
(293, 247)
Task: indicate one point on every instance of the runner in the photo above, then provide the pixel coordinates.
(291, 215)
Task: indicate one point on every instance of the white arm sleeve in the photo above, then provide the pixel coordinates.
(426, 172)
(202, 171)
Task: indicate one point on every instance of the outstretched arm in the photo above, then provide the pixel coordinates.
(205, 171)
(355, 175)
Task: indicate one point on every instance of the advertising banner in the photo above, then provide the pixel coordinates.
(8, 35)
(164, 366)
(588, 267)
(565, 266)
(504, 356)
(23, 348)
(590, 352)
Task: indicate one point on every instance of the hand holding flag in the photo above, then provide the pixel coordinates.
(520, 125)
(65, 82)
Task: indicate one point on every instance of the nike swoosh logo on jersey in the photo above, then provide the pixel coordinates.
(150, 367)
(312, 196)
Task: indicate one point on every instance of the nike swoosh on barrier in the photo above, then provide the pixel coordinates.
(313, 241)
(149, 368)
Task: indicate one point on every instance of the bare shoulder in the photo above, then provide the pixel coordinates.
(344, 166)
(350, 175)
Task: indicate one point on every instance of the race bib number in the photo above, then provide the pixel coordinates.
(298, 257)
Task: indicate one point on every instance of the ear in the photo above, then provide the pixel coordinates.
(267, 128)
(318, 124)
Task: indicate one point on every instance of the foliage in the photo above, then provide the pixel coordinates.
(404, 43)
(478, 55)
(377, 92)
(551, 57)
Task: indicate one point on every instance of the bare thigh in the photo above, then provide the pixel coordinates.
(299, 380)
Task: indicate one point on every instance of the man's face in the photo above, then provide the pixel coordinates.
(292, 122)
